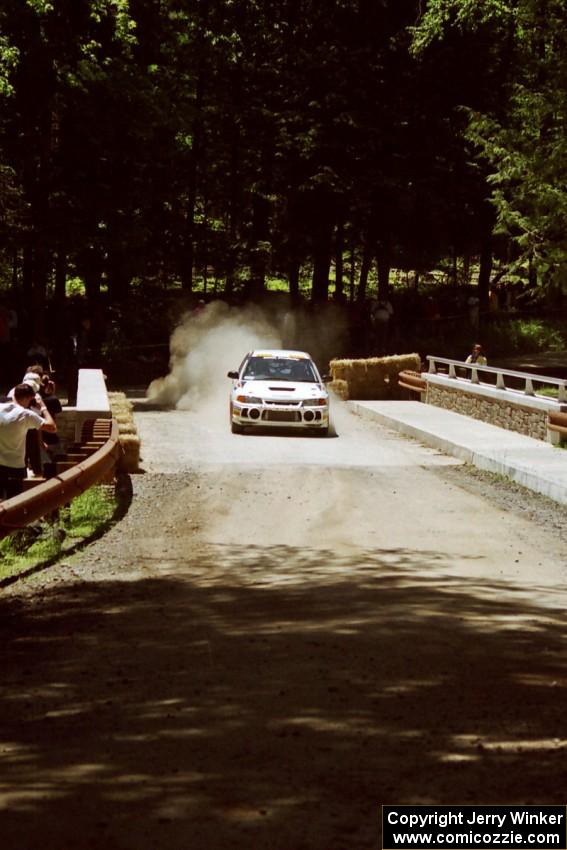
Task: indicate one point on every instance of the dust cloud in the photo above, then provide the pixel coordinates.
(204, 347)
(209, 343)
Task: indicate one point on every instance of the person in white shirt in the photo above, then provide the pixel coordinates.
(16, 419)
(477, 355)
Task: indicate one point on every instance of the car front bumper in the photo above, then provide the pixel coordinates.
(280, 416)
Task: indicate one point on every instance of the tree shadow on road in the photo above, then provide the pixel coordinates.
(252, 698)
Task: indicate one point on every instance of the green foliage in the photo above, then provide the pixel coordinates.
(9, 55)
(501, 338)
(237, 141)
(442, 15)
(43, 543)
(522, 138)
(524, 336)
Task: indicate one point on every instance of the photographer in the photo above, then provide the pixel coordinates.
(17, 418)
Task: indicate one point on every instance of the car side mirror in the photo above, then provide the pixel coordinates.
(326, 378)
(233, 375)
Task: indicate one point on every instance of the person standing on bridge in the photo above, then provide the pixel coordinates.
(477, 355)
(16, 419)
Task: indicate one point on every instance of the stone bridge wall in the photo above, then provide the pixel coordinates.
(506, 414)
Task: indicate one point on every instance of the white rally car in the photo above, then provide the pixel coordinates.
(277, 388)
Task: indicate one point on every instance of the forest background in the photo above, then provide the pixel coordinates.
(157, 152)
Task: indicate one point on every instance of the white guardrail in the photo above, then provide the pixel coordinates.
(498, 379)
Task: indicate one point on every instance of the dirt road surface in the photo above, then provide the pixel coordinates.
(281, 634)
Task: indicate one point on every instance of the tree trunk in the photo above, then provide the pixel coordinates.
(27, 272)
(293, 278)
(118, 278)
(383, 266)
(189, 252)
(234, 212)
(484, 273)
(40, 275)
(321, 265)
(352, 273)
(15, 269)
(339, 264)
(60, 278)
(467, 269)
(196, 151)
(367, 256)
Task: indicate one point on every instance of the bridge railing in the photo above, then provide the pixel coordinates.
(502, 379)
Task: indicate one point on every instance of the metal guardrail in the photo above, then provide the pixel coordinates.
(501, 374)
(21, 510)
(412, 381)
(557, 422)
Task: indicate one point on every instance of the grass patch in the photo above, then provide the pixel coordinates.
(44, 542)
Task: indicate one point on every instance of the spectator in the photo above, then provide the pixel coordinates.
(80, 356)
(473, 308)
(33, 378)
(477, 355)
(51, 442)
(16, 419)
(381, 315)
(39, 353)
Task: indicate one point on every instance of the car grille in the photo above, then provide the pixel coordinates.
(280, 415)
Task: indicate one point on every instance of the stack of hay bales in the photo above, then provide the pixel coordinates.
(373, 378)
(339, 372)
(121, 410)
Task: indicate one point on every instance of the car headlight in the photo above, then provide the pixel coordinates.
(315, 402)
(248, 399)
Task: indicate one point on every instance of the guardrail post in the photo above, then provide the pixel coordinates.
(452, 372)
(562, 394)
(474, 376)
(500, 385)
(432, 369)
(529, 388)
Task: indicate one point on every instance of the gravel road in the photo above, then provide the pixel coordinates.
(282, 633)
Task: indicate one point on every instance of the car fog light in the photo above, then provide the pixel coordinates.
(309, 416)
(254, 413)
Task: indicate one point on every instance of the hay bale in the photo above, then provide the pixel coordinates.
(372, 378)
(339, 369)
(377, 372)
(358, 370)
(122, 410)
(339, 388)
(130, 459)
(126, 428)
(405, 362)
(121, 399)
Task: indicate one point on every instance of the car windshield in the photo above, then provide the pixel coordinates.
(279, 369)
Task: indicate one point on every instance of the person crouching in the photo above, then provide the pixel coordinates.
(16, 418)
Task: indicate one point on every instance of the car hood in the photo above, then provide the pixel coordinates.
(282, 390)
